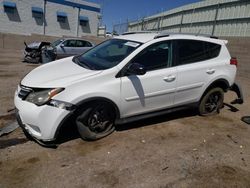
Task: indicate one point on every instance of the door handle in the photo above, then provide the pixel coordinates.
(210, 71)
(169, 78)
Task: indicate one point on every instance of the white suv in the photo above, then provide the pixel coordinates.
(132, 76)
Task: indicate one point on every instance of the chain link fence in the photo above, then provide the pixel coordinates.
(120, 28)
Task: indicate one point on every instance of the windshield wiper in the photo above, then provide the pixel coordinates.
(78, 62)
(74, 59)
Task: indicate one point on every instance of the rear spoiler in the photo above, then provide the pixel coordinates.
(225, 41)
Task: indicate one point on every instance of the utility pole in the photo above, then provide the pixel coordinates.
(44, 16)
(102, 9)
(77, 25)
(182, 13)
(215, 18)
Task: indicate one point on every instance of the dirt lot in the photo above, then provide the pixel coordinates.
(178, 150)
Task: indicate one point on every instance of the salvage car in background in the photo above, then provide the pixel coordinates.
(44, 52)
(66, 47)
(39, 52)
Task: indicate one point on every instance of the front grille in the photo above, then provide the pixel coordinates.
(24, 92)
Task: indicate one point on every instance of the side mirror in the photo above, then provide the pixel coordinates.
(61, 45)
(136, 69)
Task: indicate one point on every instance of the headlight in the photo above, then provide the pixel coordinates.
(41, 97)
(62, 105)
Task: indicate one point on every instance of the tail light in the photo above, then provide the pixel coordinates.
(233, 61)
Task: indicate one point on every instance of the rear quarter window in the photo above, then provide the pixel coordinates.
(192, 51)
(88, 44)
(213, 50)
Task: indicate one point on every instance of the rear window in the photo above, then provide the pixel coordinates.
(191, 51)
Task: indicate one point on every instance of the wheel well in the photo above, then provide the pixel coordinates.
(221, 83)
(83, 103)
(67, 121)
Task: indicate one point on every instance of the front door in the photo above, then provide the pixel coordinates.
(82, 46)
(156, 89)
(68, 48)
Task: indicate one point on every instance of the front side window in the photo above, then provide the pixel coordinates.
(191, 51)
(156, 56)
(57, 42)
(107, 55)
(70, 43)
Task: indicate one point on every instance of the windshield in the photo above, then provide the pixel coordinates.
(55, 43)
(106, 55)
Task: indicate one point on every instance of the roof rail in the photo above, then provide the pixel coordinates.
(166, 34)
(137, 32)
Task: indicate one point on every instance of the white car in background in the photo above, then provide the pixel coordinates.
(129, 77)
(111, 34)
(66, 47)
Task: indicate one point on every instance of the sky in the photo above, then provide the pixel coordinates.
(118, 11)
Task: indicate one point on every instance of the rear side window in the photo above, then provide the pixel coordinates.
(80, 43)
(191, 51)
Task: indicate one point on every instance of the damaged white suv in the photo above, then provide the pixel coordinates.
(132, 76)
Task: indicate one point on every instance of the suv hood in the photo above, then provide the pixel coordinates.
(59, 73)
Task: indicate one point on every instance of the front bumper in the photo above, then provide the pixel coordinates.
(50, 143)
(41, 122)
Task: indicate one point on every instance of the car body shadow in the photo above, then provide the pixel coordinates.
(168, 116)
(12, 142)
(231, 107)
(69, 131)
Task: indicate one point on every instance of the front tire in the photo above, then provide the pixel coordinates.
(211, 102)
(96, 121)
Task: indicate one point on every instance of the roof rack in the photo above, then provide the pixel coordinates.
(165, 34)
(137, 32)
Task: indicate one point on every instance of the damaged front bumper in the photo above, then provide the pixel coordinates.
(40, 121)
(48, 143)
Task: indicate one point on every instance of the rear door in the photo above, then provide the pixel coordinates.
(196, 66)
(82, 46)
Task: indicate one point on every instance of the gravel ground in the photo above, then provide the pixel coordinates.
(179, 149)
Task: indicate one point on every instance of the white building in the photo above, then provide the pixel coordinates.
(49, 17)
